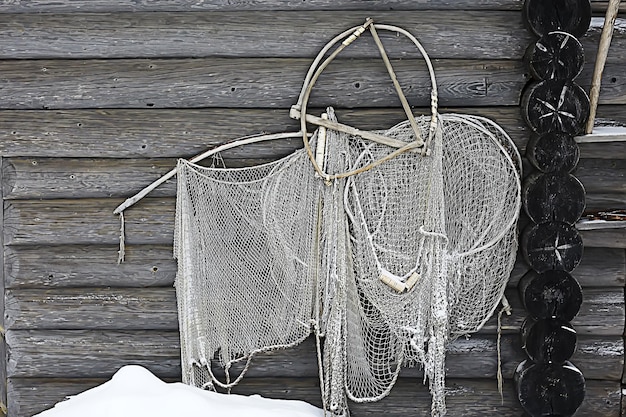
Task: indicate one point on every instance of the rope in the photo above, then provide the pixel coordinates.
(506, 308)
(122, 251)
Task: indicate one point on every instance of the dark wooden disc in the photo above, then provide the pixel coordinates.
(571, 16)
(548, 340)
(555, 106)
(551, 294)
(555, 56)
(556, 197)
(553, 152)
(549, 389)
(552, 245)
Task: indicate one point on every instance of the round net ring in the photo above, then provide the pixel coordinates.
(298, 111)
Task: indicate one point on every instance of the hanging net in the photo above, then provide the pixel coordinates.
(245, 245)
(388, 259)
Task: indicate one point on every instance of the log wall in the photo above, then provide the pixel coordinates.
(98, 99)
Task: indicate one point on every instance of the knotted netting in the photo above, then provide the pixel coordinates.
(433, 244)
(387, 261)
(245, 245)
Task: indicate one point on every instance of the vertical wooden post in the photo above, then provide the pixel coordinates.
(3, 347)
(603, 51)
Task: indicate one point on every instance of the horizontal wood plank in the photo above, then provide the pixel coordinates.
(80, 308)
(602, 311)
(92, 266)
(105, 6)
(253, 83)
(128, 133)
(149, 266)
(463, 398)
(591, 39)
(55, 6)
(603, 176)
(256, 82)
(173, 133)
(468, 398)
(90, 354)
(50, 178)
(607, 238)
(87, 221)
(604, 181)
(91, 221)
(492, 35)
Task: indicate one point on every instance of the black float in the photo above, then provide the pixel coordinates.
(555, 106)
(553, 152)
(549, 390)
(556, 56)
(552, 294)
(571, 16)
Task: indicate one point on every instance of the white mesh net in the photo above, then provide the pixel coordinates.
(388, 265)
(246, 266)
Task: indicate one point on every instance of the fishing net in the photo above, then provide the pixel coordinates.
(246, 261)
(388, 258)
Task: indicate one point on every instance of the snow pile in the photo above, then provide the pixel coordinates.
(135, 392)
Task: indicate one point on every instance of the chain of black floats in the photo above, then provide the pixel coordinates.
(556, 109)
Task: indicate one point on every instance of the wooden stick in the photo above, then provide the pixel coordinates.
(239, 142)
(603, 51)
(340, 127)
(396, 84)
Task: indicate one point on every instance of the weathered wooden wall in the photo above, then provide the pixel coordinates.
(98, 98)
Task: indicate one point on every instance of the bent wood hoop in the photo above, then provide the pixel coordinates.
(298, 111)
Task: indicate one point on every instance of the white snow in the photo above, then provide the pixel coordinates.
(135, 392)
(604, 134)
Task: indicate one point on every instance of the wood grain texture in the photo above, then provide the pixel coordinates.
(592, 38)
(292, 34)
(91, 354)
(87, 221)
(80, 308)
(96, 266)
(145, 133)
(105, 6)
(54, 178)
(608, 238)
(91, 221)
(250, 83)
(30, 397)
(601, 313)
(3, 348)
(61, 266)
(468, 398)
(155, 133)
(38, 6)
(604, 176)
(255, 82)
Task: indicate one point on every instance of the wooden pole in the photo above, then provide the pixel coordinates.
(603, 50)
